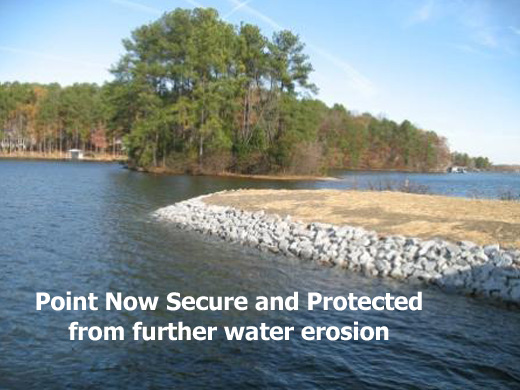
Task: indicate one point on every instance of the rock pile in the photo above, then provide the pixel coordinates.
(464, 266)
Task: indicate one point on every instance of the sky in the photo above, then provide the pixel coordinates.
(451, 66)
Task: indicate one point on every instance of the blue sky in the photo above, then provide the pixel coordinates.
(448, 66)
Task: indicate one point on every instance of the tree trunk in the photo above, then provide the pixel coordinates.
(155, 149)
(201, 139)
(201, 149)
(164, 155)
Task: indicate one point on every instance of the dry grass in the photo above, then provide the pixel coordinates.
(426, 216)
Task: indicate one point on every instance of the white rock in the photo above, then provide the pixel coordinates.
(486, 270)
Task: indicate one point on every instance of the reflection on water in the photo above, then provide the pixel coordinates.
(87, 228)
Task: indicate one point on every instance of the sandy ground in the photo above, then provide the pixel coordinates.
(426, 216)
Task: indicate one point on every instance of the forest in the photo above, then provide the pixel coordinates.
(464, 160)
(195, 94)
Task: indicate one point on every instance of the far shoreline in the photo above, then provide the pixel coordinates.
(231, 175)
(37, 156)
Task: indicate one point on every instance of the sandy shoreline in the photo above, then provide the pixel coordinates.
(276, 177)
(425, 216)
(231, 175)
(58, 157)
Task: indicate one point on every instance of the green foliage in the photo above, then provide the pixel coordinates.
(50, 118)
(365, 142)
(230, 89)
(464, 160)
(192, 89)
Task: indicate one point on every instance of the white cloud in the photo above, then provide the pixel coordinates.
(423, 14)
(515, 30)
(137, 6)
(486, 38)
(194, 3)
(150, 10)
(468, 49)
(236, 8)
(357, 80)
(488, 26)
(254, 12)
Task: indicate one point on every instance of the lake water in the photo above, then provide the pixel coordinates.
(87, 227)
(472, 184)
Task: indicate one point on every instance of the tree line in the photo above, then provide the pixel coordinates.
(53, 119)
(194, 93)
(464, 160)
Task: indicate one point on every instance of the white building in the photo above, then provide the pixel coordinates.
(76, 154)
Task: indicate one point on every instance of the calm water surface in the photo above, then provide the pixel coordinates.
(87, 228)
(472, 184)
